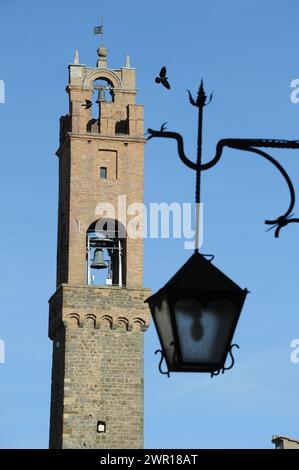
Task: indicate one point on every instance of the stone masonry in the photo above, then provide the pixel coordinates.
(98, 372)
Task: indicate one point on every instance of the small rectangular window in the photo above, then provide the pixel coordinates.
(101, 426)
(103, 172)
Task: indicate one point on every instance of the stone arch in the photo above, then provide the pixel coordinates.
(123, 323)
(139, 324)
(107, 237)
(106, 322)
(74, 319)
(90, 319)
(103, 75)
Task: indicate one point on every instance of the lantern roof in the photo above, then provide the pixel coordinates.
(199, 273)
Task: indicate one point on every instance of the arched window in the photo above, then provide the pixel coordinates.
(102, 93)
(106, 253)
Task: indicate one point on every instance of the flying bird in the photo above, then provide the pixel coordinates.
(87, 104)
(162, 78)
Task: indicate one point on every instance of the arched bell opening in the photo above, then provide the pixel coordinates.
(106, 253)
(102, 93)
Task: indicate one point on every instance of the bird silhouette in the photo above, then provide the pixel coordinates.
(162, 78)
(87, 104)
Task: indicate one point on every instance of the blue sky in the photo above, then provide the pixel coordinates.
(247, 53)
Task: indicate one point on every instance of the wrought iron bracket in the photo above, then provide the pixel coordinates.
(163, 372)
(249, 145)
(217, 372)
(214, 373)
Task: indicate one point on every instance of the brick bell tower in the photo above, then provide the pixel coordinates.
(97, 314)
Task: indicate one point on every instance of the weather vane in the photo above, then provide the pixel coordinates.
(99, 29)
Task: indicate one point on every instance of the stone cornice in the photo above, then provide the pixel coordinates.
(132, 91)
(96, 136)
(113, 138)
(100, 307)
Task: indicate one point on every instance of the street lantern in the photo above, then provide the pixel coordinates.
(197, 311)
(195, 315)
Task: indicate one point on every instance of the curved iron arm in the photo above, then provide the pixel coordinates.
(217, 372)
(245, 144)
(232, 358)
(180, 142)
(242, 144)
(160, 363)
(248, 145)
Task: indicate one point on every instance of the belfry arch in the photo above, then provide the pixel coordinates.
(106, 253)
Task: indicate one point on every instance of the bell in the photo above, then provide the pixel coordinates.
(101, 96)
(98, 261)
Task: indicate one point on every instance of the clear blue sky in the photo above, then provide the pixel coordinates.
(247, 53)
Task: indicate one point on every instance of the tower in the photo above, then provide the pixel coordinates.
(97, 315)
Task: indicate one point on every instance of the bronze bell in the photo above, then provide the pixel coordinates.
(101, 95)
(98, 261)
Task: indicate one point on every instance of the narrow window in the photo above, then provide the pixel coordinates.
(101, 426)
(103, 172)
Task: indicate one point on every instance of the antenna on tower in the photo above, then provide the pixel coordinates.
(100, 29)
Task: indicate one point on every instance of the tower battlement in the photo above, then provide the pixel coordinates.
(118, 115)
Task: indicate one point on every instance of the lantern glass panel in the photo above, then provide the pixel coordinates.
(163, 323)
(204, 331)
